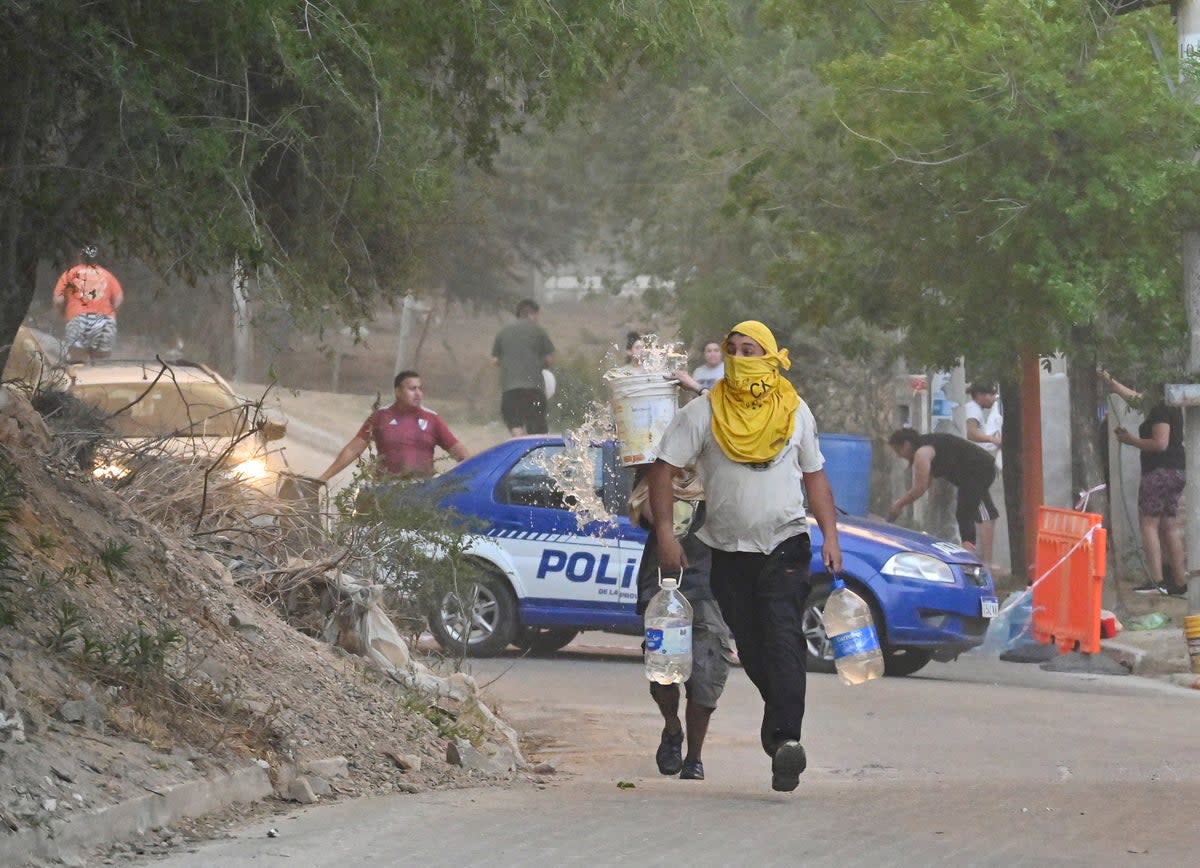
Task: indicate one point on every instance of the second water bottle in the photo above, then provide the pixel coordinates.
(668, 622)
(851, 631)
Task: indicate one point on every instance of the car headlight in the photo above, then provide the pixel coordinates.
(251, 468)
(110, 471)
(911, 565)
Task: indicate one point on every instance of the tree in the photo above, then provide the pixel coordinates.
(309, 138)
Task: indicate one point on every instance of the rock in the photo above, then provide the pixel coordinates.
(239, 621)
(461, 682)
(49, 805)
(543, 769)
(319, 785)
(331, 767)
(216, 671)
(406, 787)
(492, 761)
(61, 773)
(89, 712)
(301, 791)
(406, 762)
(12, 727)
(459, 752)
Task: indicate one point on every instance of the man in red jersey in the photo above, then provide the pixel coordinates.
(404, 435)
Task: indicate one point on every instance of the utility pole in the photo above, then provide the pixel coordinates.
(1032, 494)
(1187, 22)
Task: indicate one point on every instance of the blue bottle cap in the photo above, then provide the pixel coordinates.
(838, 584)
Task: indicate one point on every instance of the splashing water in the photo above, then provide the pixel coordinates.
(656, 358)
(574, 468)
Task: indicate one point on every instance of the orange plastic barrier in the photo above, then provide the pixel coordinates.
(1068, 579)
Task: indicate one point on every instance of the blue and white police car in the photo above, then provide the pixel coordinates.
(546, 579)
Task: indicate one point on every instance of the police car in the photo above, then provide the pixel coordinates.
(548, 579)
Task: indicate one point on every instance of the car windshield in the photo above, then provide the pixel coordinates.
(168, 409)
(532, 480)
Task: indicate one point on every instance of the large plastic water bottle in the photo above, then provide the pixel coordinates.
(668, 622)
(851, 631)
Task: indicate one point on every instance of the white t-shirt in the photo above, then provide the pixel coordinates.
(751, 507)
(990, 422)
(707, 377)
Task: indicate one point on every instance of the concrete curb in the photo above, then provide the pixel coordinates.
(67, 839)
(1129, 656)
(1185, 679)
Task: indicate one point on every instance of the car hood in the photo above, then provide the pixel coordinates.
(886, 539)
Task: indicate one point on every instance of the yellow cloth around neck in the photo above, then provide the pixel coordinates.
(754, 406)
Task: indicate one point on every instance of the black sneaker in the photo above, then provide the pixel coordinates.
(693, 770)
(787, 765)
(669, 755)
(1150, 588)
(1175, 590)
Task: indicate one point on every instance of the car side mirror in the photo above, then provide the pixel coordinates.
(274, 429)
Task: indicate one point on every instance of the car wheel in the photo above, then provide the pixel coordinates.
(898, 662)
(540, 641)
(483, 616)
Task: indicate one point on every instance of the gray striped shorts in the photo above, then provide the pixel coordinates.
(92, 331)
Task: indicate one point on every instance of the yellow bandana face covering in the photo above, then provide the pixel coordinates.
(754, 406)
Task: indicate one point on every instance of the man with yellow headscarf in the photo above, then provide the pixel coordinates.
(754, 442)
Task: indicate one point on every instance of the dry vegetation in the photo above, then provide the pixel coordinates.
(161, 626)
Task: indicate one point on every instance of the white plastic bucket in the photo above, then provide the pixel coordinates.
(642, 405)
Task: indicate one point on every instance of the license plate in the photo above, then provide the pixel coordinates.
(990, 608)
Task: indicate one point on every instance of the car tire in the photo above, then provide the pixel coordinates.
(491, 610)
(540, 641)
(899, 662)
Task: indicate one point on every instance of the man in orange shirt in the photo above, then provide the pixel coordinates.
(88, 297)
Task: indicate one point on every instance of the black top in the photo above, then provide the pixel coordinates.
(958, 460)
(1171, 457)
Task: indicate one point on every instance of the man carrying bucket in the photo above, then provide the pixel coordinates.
(754, 443)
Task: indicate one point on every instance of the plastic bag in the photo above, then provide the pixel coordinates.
(1149, 621)
(1011, 626)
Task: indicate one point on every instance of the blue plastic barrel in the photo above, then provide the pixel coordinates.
(848, 466)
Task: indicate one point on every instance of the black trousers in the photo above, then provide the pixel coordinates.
(762, 598)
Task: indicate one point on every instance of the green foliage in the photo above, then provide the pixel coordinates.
(315, 140)
(64, 629)
(418, 551)
(446, 722)
(44, 541)
(1020, 173)
(1015, 172)
(133, 655)
(114, 556)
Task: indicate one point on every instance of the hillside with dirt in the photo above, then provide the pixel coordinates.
(137, 656)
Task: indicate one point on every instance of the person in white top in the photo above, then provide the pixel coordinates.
(984, 420)
(754, 443)
(713, 368)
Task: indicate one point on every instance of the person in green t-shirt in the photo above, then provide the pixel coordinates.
(522, 349)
